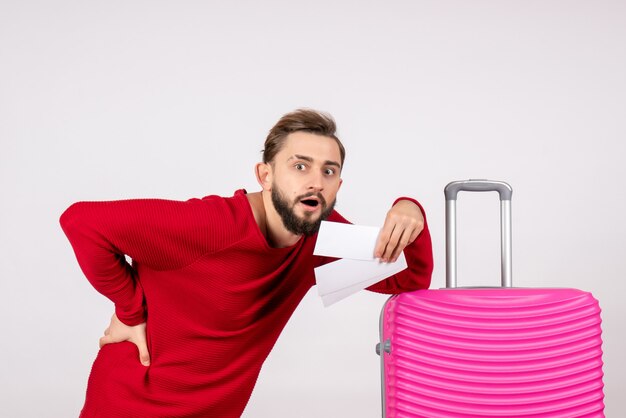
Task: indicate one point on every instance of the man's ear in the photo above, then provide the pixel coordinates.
(263, 173)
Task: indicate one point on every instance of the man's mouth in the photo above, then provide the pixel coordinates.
(312, 203)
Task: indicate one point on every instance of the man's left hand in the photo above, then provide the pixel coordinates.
(404, 222)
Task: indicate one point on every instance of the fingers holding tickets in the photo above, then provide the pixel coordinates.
(403, 224)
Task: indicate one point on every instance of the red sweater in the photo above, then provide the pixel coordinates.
(215, 296)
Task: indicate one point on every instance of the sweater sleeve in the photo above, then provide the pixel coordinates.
(160, 234)
(419, 258)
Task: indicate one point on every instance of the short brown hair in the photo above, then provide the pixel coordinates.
(307, 120)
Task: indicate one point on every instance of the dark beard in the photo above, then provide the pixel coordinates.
(291, 221)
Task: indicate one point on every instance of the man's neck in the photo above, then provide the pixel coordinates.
(269, 221)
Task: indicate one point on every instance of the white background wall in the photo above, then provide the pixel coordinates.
(121, 99)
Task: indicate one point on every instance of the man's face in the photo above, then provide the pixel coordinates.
(306, 181)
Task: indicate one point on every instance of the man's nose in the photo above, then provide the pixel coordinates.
(316, 181)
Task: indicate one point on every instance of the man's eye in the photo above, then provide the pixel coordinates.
(300, 166)
(329, 171)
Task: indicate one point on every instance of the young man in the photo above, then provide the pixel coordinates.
(214, 280)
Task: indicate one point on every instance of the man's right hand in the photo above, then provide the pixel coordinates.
(118, 331)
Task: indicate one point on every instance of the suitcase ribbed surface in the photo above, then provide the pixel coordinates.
(493, 353)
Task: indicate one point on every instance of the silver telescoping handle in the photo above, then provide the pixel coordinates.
(505, 191)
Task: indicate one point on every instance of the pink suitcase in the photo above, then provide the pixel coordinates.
(490, 352)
